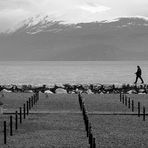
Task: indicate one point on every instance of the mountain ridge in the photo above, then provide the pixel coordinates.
(120, 39)
(46, 21)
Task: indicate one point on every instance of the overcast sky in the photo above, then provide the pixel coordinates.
(13, 11)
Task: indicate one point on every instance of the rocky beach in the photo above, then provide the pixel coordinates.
(78, 88)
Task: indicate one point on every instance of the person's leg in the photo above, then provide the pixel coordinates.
(141, 79)
(136, 79)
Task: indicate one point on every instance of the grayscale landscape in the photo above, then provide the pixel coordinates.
(73, 74)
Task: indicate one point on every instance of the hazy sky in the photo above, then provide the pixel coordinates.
(13, 11)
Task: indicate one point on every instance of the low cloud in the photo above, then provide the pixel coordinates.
(13, 11)
(94, 9)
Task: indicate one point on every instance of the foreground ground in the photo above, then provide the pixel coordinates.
(56, 122)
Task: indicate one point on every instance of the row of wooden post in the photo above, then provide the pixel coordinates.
(87, 123)
(130, 104)
(22, 115)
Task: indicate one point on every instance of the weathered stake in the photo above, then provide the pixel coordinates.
(94, 143)
(5, 133)
(11, 126)
(143, 113)
(123, 99)
(138, 109)
(32, 101)
(16, 120)
(132, 105)
(20, 115)
(27, 108)
(87, 122)
(120, 96)
(90, 139)
(129, 103)
(24, 111)
(29, 103)
(35, 97)
(126, 100)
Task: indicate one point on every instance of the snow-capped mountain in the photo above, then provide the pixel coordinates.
(43, 38)
(40, 23)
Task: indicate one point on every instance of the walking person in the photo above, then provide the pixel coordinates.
(138, 75)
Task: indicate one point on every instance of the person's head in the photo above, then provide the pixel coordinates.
(138, 66)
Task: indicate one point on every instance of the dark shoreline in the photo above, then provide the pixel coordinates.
(79, 88)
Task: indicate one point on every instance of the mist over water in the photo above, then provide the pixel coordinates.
(60, 72)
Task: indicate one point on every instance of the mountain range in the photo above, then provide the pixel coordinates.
(42, 38)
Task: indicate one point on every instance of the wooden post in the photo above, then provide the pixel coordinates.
(129, 103)
(16, 120)
(89, 128)
(94, 143)
(138, 109)
(143, 113)
(11, 126)
(120, 96)
(27, 108)
(86, 128)
(126, 100)
(132, 105)
(29, 103)
(90, 139)
(5, 133)
(24, 111)
(20, 115)
(34, 98)
(32, 101)
(86, 122)
(81, 104)
(123, 99)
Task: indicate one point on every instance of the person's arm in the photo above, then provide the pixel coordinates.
(136, 72)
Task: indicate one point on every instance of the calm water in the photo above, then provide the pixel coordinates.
(71, 72)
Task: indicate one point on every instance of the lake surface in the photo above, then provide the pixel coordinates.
(51, 72)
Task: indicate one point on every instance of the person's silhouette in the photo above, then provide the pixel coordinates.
(138, 75)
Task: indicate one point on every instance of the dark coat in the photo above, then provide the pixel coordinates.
(139, 72)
